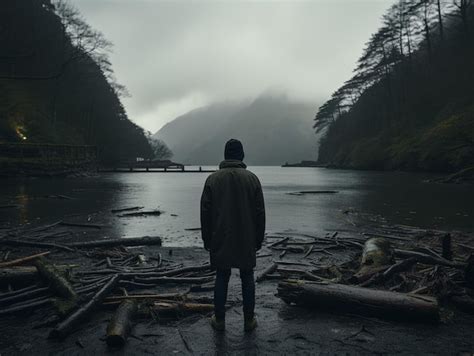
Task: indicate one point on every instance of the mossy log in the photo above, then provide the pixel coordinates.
(120, 326)
(64, 328)
(56, 280)
(357, 300)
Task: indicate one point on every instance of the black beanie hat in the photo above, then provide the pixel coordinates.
(234, 150)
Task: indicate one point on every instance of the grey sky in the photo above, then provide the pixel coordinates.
(174, 56)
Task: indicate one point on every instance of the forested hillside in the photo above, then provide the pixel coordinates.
(410, 103)
(57, 84)
(273, 129)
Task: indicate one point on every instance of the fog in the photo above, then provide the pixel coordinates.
(176, 56)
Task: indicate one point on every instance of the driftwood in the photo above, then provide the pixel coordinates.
(279, 242)
(26, 295)
(18, 276)
(141, 213)
(427, 259)
(22, 260)
(120, 326)
(176, 280)
(66, 326)
(181, 307)
(28, 305)
(57, 282)
(359, 300)
(132, 241)
(126, 209)
(269, 270)
(71, 224)
(313, 192)
(47, 245)
(390, 271)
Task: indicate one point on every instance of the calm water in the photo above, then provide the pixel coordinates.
(399, 197)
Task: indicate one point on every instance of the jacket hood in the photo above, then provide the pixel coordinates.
(232, 163)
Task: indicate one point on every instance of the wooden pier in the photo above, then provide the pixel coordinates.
(153, 170)
(151, 166)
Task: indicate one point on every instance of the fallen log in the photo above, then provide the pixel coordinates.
(57, 282)
(126, 209)
(141, 213)
(177, 280)
(18, 276)
(120, 326)
(22, 260)
(181, 308)
(269, 270)
(131, 241)
(64, 328)
(359, 300)
(47, 245)
(71, 224)
(279, 242)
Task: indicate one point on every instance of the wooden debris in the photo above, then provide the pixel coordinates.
(48, 245)
(23, 260)
(120, 326)
(131, 241)
(359, 300)
(142, 213)
(304, 192)
(126, 209)
(57, 282)
(71, 224)
(269, 270)
(64, 328)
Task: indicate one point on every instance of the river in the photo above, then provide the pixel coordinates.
(402, 198)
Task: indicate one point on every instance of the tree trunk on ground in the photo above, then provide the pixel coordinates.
(135, 241)
(338, 297)
(64, 328)
(121, 324)
(57, 282)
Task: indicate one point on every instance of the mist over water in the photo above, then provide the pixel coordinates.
(401, 198)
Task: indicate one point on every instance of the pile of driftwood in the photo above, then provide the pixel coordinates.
(110, 278)
(395, 272)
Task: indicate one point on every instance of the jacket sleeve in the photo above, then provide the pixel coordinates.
(206, 216)
(260, 217)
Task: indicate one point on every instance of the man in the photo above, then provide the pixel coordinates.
(233, 228)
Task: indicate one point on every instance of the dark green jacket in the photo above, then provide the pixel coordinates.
(232, 216)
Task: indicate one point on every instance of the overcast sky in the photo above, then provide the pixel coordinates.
(174, 56)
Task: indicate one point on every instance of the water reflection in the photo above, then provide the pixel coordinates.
(400, 197)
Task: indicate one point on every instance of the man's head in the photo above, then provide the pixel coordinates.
(234, 150)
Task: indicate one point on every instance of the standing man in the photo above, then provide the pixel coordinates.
(233, 228)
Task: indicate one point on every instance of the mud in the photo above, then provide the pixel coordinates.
(283, 329)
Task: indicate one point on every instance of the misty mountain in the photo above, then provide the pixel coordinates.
(273, 130)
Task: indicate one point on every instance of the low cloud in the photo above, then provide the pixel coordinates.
(175, 56)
